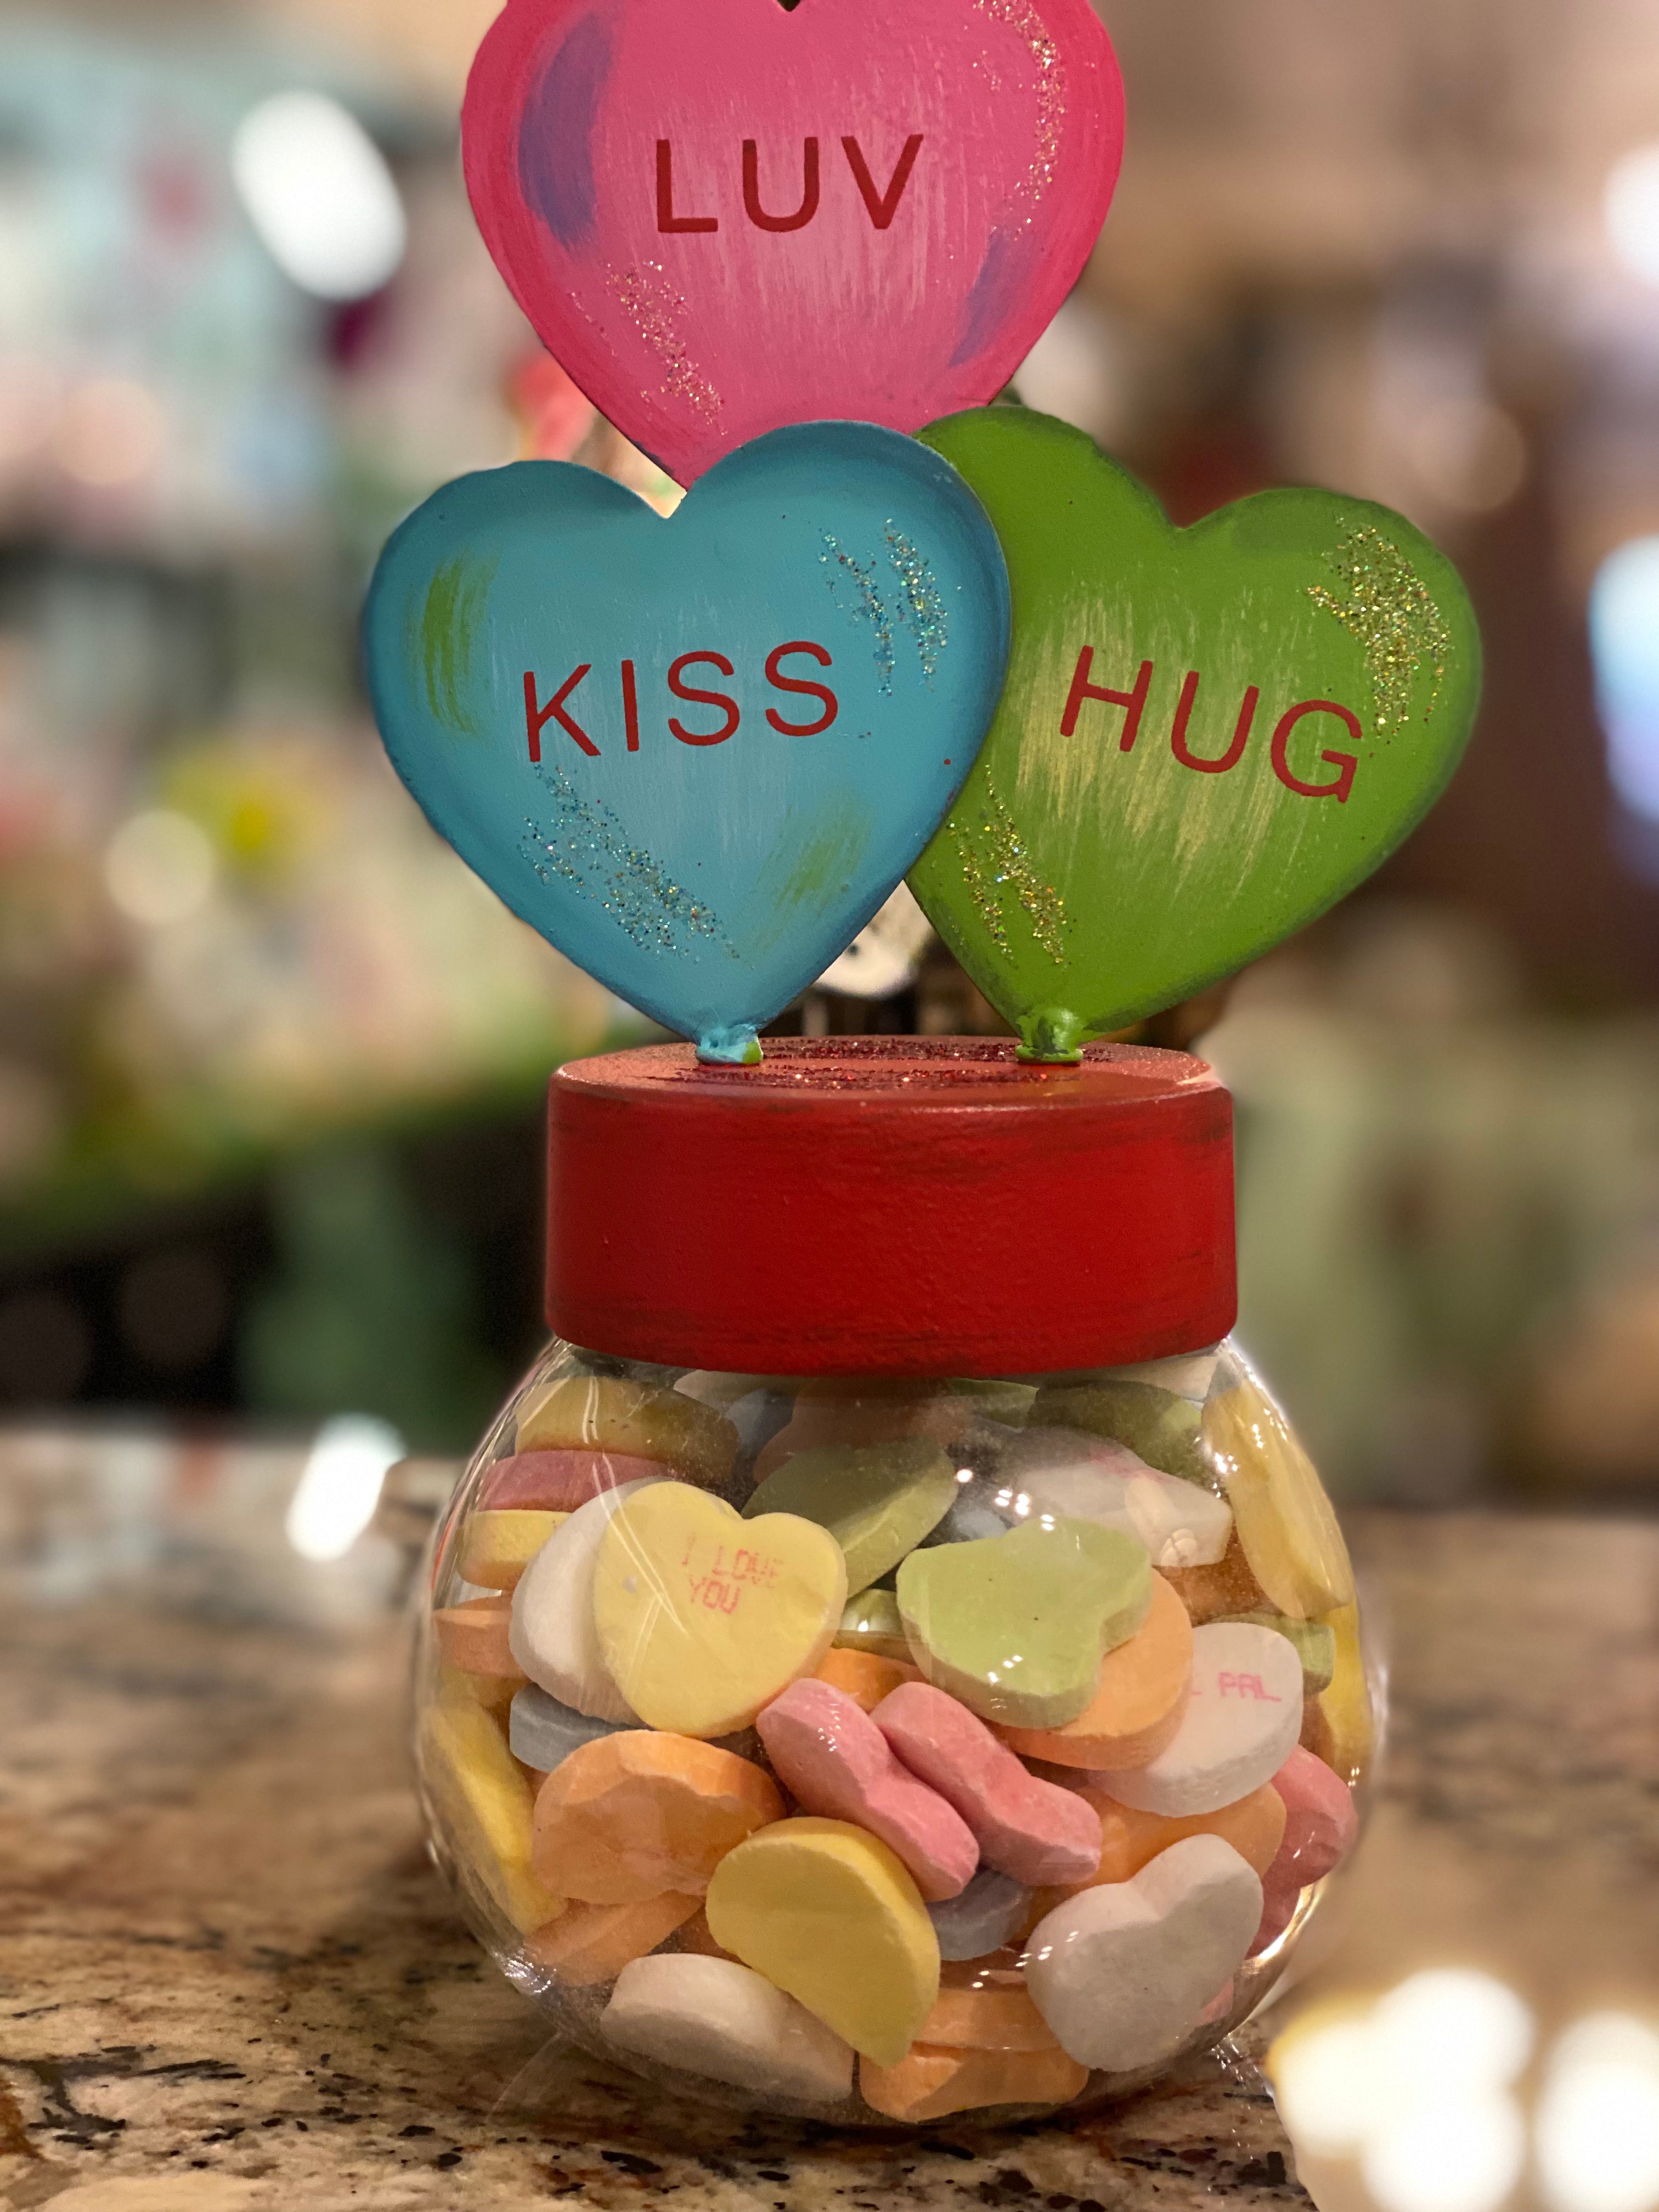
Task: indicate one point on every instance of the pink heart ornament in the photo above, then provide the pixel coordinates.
(728, 216)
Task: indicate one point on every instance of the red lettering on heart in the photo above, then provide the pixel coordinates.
(536, 717)
(1133, 703)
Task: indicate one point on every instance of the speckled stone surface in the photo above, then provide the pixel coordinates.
(231, 1979)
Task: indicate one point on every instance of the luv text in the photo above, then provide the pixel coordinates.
(882, 197)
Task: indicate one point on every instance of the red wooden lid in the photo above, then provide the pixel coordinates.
(891, 1206)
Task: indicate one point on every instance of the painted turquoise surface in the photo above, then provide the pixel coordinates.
(705, 883)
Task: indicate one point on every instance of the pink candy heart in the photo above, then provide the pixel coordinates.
(560, 1481)
(1321, 1825)
(831, 1756)
(728, 216)
(1030, 1829)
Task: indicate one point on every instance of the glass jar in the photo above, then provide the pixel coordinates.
(910, 1669)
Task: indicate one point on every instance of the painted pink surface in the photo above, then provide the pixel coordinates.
(724, 216)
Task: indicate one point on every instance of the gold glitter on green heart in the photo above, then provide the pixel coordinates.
(1388, 609)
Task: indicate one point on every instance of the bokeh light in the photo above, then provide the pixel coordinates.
(1624, 626)
(1451, 2030)
(1631, 208)
(1597, 2126)
(1447, 2153)
(160, 868)
(110, 432)
(341, 1485)
(320, 194)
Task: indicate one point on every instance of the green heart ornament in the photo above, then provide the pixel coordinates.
(1206, 737)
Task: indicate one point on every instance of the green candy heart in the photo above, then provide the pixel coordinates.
(1157, 1425)
(1207, 737)
(1017, 1627)
(877, 1501)
(870, 1622)
(1315, 1642)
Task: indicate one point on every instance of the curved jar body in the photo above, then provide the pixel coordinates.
(892, 1750)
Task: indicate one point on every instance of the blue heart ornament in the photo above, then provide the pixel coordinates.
(698, 754)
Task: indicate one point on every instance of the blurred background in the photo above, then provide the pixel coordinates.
(271, 1061)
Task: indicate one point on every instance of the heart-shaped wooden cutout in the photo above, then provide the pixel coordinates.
(1207, 737)
(697, 754)
(724, 216)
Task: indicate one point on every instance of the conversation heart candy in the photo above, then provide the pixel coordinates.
(1285, 1522)
(705, 1617)
(630, 1815)
(1243, 1714)
(1280, 1901)
(855, 1415)
(497, 1547)
(981, 1920)
(1321, 1825)
(1130, 1840)
(1024, 1827)
(1016, 1625)
(864, 1676)
(560, 1481)
(475, 1636)
(1343, 1711)
(543, 1733)
(719, 2018)
(1315, 1645)
(1123, 1973)
(985, 2007)
(1321, 1821)
(932, 181)
(495, 1692)
(605, 1414)
(829, 1914)
(927, 2084)
(877, 1501)
(870, 1623)
(1189, 1375)
(1220, 1592)
(1161, 1427)
(592, 1943)
(483, 1807)
(554, 1638)
(1139, 1695)
(834, 1759)
(1049, 1474)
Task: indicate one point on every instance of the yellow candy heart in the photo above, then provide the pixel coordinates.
(704, 1617)
(1283, 1518)
(497, 1547)
(483, 1805)
(829, 1913)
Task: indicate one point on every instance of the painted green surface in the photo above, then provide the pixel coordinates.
(455, 603)
(1084, 886)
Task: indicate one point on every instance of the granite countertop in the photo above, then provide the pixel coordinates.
(231, 1978)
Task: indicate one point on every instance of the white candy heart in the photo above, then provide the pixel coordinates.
(1053, 1474)
(1122, 1973)
(552, 1635)
(1243, 1719)
(715, 2017)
